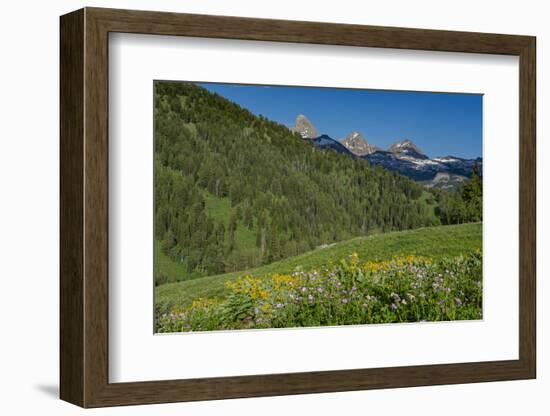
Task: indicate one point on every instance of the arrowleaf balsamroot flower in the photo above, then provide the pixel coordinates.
(403, 289)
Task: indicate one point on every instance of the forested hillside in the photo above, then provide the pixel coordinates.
(235, 191)
(465, 205)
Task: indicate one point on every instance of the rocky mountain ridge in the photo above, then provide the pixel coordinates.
(403, 157)
(356, 144)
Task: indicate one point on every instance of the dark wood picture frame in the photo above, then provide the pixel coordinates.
(84, 207)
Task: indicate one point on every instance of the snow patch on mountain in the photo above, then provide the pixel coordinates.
(403, 157)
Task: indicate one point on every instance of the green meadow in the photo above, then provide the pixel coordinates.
(434, 242)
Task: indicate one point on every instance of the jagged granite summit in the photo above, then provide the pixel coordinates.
(408, 148)
(304, 127)
(356, 144)
(403, 157)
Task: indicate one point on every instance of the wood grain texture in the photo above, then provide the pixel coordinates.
(84, 207)
(226, 27)
(527, 208)
(71, 100)
(96, 208)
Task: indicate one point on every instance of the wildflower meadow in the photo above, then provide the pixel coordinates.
(260, 224)
(348, 292)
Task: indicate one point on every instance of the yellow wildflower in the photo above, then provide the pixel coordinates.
(284, 281)
(248, 286)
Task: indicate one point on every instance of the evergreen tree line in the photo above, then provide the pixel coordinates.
(290, 196)
(465, 205)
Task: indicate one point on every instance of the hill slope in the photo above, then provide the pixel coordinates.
(433, 242)
(235, 191)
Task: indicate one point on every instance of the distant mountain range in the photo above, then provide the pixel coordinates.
(403, 157)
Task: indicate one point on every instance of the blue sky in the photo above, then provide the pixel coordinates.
(439, 123)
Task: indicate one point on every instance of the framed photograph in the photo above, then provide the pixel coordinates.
(255, 207)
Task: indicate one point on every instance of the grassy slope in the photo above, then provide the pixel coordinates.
(429, 202)
(434, 242)
(219, 209)
(166, 266)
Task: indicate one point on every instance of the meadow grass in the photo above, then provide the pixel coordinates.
(434, 242)
(350, 292)
(168, 270)
(220, 209)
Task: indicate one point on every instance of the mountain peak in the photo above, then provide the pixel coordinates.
(401, 145)
(305, 127)
(356, 143)
(407, 147)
